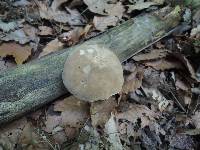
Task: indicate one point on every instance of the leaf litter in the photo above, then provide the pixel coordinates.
(159, 98)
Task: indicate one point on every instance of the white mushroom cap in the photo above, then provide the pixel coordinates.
(93, 73)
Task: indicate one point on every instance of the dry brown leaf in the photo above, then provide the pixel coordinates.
(52, 122)
(104, 7)
(86, 30)
(164, 64)
(71, 132)
(73, 17)
(72, 37)
(30, 140)
(133, 81)
(189, 66)
(73, 111)
(153, 54)
(102, 23)
(52, 46)
(60, 137)
(101, 110)
(136, 112)
(9, 134)
(57, 3)
(44, 30)
(181, 85)
(18, 36)
(19, 52)
(143, 5)
(196, 119)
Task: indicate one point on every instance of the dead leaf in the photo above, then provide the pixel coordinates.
(9, 134)
(140, 5)
(113, 135)
(18, 36)
(101, 110)
(164, 64)
(73, 17)
(86, 30)
(182, 85)
(196, 119)
(52, 46)
(133, 81)
(72, 37)
(45, 30)
(73, 111)
(52, 122)
(57, 3)
(102, 23)
(195, 32)
(19, 52)
(189, 66)
(6, 64)
(104, 7)
(8, 26)
(32, 33)
(153, 54)
(30, 140)
(71, 132)
(135, 112)
(60, 137)
(21, 3)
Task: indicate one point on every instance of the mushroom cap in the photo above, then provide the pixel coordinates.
(93, 73)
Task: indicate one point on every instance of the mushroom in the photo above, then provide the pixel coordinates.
(93, 73)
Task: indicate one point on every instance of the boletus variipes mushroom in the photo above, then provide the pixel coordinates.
(93, 73)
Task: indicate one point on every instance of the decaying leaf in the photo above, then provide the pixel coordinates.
(196, 119)
(195, 32)
(181, 141)
(8, 26)
(135, 112)
(19, 52)
(101, 110)
(113, 135)
(9, 134)
(153, 54)
(52, 46)
(133, 81)
(57, 3)
(21, 3)
(73, 111)
(189, 66)
(164, 64)
(102, 23)
(73, 17)
(156, 95)
(73, 36)
(45, 30)
(6, 64)
(142, 5)
(30, 140)
(52, 122)
(104, 7)
(71, 132)
(18, 36)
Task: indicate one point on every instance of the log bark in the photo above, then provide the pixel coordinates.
(34, 84)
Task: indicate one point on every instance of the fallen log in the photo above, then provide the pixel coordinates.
(39, 82)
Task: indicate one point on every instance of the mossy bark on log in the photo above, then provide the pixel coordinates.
(34, 84)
